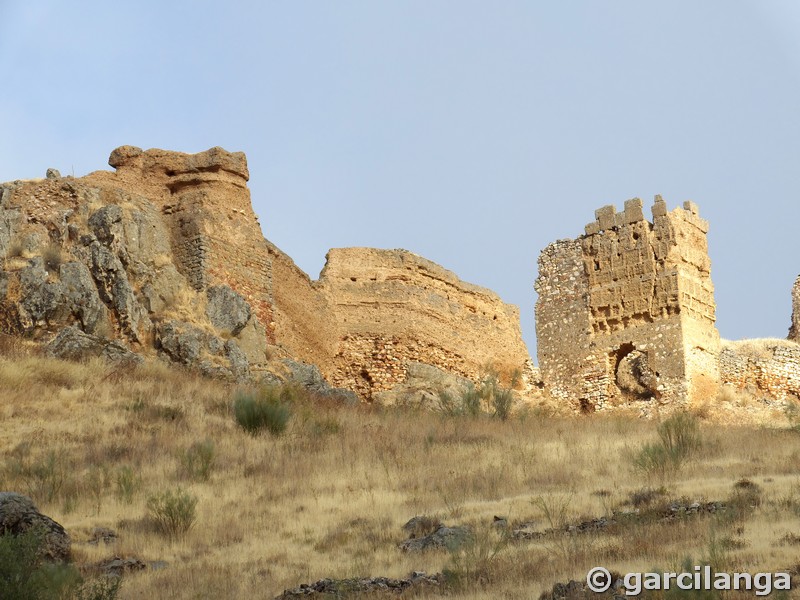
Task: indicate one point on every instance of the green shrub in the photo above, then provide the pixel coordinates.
(44, 477)
(488, 396)
(198, 460)
(679, 440)
(267, 409)
(127, 483)
(472, 558)
(25, 576)
(173, 512)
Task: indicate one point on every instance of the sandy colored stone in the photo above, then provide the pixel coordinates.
(629, 288)
(166, 229)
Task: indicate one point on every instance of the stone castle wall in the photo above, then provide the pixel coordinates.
(392, 307)
(766, 369)
(370, 312)
(626, 312)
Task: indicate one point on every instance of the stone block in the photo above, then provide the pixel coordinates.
(633, 211)
(592, 228)
(659, 207)
(691, 207)
(606, 216)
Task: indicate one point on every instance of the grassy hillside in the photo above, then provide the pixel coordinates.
(91, 444)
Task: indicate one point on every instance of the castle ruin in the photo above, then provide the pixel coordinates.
(152, 242)
(626, 312)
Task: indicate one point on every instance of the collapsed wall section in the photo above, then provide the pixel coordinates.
(634, 301)
(392, 307)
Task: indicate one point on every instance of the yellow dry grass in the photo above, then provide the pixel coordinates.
(329, 497)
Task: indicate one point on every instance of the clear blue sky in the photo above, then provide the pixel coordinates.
(472, 133)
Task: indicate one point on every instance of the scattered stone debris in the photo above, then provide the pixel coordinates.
(103, 534)
(117, 567)
(346, 587)
(18, 514)
(441, 537)
(671, 511)
(577, 590)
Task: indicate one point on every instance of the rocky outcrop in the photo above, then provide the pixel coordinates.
(357, 586)
(19, 515)
(72, 344)
(423, 387)
(92, 265)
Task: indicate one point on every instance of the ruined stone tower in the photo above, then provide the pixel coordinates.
(626, 312)
(794, 329)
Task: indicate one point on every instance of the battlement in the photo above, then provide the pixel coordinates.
(607, 216)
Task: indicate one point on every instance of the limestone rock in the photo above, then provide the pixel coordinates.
(18, 514)
(116, 290)
(53, 174)
(356, 587)
(182, 342)
(422, 387)
(226, 309)
(72, 344)
(81, 296)
(189, 345)
(310, 378)
(41, 300)
(443, 538)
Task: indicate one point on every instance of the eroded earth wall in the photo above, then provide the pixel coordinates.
(392, 307)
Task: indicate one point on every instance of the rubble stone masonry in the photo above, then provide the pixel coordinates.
(626, 312)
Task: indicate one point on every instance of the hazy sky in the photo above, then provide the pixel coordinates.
(472, 133)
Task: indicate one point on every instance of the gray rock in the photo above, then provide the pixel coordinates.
(116, 291)
(116, 566)
(82, 297)
(239, 366)
(103, 534)
(72, 344)
(182, 342)
(18, 514)
(190, 346)
(252, 340)
(422, 387)
(227, 310)
(309, 377)
(362, 586)
(53, 174)
(41, 300)
(163, 288)
(443, 537)
(106, 224)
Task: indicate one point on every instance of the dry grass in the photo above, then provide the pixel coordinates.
(328, 498)
(758, 348)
